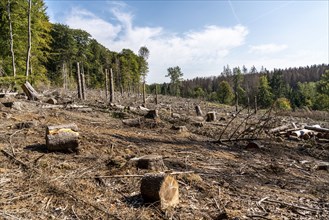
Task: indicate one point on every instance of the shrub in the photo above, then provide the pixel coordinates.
(283, 104)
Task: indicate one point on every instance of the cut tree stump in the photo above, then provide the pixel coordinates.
(160, 187)
(180, 129)
(211, 116)
(198, 110)
(30, 91)
(52, 101)
(135, 122)
(151, 162)
(153, 114)
(62, 138)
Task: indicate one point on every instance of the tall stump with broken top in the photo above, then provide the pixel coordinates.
(198, 110)
(160, 187)
(62, 138)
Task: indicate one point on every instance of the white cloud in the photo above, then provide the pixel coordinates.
(196, 52)
(101, 30)
(267, 48)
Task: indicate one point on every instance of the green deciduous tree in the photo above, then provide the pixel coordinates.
(175, 75)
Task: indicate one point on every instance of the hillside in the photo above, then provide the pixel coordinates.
(280, 178)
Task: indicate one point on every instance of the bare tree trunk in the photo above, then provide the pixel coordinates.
(106, 84)
(83, 83)
(11, 41)
(255, 104)
(29, 42)
(79, 81)
(144, 95)
(156, 94)
(236, 101)
(64, 71)
(111, 86)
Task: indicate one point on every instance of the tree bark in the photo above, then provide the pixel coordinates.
(29, 41)
(11, 40)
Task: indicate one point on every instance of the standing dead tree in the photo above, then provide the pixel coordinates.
(29, 41)
(111, 86)
(11, 39)
(106, 84)
(79, 81)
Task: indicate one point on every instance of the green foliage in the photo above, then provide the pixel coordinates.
(175, 75)
(225, 94)
(321, 102)
(264, 96)
(283, 104)
(198, 92)
(40, 29)
(323, 85)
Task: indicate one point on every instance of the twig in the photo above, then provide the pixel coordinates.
(220, 137)
(258, 216)
(237, 128)
(75, 214)
(17, 161)
(139, 175)
(292, 205)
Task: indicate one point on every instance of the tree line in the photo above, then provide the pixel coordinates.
(288, 88)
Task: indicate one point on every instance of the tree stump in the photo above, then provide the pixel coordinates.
(30, 91)
(151, 162)
(198, 110)
(62, 138)
(180, 129)
(160, 187)
(52, 101)
(153, 114)
(211, 116)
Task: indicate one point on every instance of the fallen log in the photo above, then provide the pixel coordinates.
(62, 138)
(160, 187)
(279, 129)
(317, 128)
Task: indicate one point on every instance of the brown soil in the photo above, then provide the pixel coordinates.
(277, 179)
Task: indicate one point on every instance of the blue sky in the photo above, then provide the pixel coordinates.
(203, 36)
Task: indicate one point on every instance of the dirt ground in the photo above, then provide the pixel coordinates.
(279, 178)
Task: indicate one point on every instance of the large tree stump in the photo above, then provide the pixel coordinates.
(30, 91)
(160, 187)
(62, 137)
(211, 116)
(151, 162)
(153, 114)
